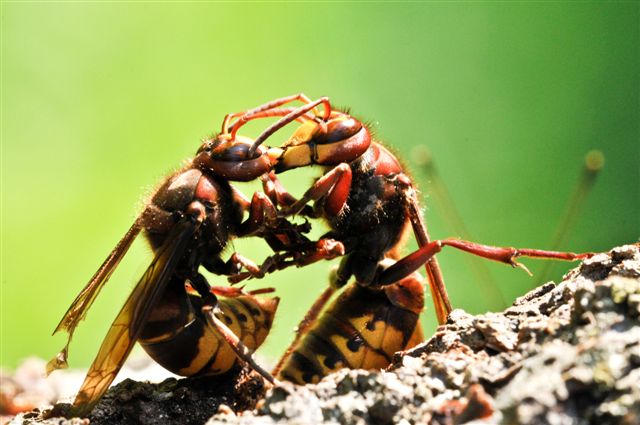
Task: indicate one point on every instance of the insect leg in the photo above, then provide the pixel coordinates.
(307, 321)
(323, 249)
(262, 213)
(263, 219)
(234, 291)
(238, 347)
(275, 190)
(437, 287)
(335, 185)
(200, 284)
(505, 255)
(251, 266)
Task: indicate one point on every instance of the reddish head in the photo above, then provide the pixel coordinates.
(232, 159)
(340, 139)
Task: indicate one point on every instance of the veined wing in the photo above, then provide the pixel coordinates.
(79, 307)
(126, 328)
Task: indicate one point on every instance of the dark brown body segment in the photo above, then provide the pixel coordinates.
(373, 221)
(176, 335)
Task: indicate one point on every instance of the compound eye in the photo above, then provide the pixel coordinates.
(344, 139)
(338, 129)
(231, 159)
(235, 151)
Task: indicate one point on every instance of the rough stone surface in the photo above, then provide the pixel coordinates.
(188, 401)
(561, 354)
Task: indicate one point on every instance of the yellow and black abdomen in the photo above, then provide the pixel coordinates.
(177, 337)
(361, 329)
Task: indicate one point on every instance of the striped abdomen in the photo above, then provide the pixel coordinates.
(177, 337)
(362, 329)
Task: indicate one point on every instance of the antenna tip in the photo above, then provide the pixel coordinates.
(594, 160)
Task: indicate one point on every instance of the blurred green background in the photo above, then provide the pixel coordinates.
(101, 100)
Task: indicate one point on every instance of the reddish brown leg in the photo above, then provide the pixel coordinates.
(236, 291)
(274, 189)
(261, 291)
(263, 219)
(323, 249)
(238, 347)
(229, 291)
(302, 328)
(253, 269)
(262, 213)
(438, 290)
(505, 255)
(334, 185)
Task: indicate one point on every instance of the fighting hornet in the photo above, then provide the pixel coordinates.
(370, 204)
(172, 310)
(361, 329)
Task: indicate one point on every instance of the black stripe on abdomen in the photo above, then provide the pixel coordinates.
(179, 351)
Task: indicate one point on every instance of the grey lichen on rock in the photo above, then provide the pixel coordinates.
(561, 354)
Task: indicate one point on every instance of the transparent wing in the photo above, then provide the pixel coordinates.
(79, 307)
(127, 326)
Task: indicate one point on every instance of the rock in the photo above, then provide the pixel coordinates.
(561, 354)
(183, 401)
